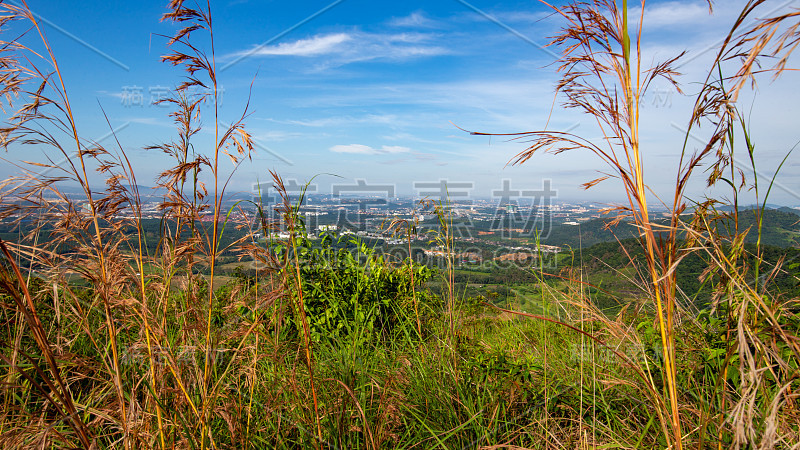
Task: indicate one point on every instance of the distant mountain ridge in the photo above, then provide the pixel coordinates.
(780, 227)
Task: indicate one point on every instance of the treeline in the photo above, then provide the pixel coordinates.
(693, 276)
(152, 231)
(780, 228)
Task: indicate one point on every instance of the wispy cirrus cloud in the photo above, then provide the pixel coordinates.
(400, 154)
(417, 19)
(674, 14)
(156, 121)
(276, 135)
(313, 46)
(348, 47)
(382, 119)
(367, 150)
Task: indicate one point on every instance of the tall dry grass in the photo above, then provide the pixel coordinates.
(129, 311)
(602, 76)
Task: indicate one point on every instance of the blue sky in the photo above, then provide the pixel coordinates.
(375, 90)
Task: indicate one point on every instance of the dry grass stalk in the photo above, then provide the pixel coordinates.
(602, 76)
(92, 239)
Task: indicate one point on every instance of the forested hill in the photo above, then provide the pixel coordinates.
(780, 228)
(607, 258)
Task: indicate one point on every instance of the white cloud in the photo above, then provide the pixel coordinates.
(415, 19)
(367, 150)
(501, 104)
(340, 120)
(673, 13)
(276, 136)
(315, 46)
(354, 148)
(344, 48)
(394, 149)
(149, 121)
